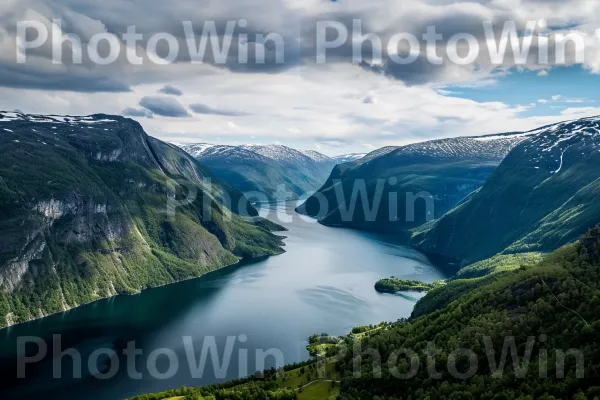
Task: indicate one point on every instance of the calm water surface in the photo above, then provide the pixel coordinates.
(323, 283)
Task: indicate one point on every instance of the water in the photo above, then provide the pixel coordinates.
(323, 283)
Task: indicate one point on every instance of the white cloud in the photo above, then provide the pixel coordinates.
(338, 106)
(580, 112)
(321, 103)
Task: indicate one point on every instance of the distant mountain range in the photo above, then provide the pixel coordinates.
(544, 194)
(392, 180)
(267, 173)
(84, 214)
(346, 158)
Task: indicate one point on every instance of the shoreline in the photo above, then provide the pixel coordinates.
(239, 263)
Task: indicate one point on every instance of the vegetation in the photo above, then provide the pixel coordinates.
(393, 285)
(312, 380)
(84, 215)
(548, 308)
(251, 172)
(532, 202)
(558, 298)
(318, 345)
(499, 263)
(406, 186)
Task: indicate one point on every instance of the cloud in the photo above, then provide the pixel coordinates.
(575, 100)
(297, 101)
(543, 73)
(171, 90)
(32, 77)
(369, 99)
(164, 106)
(137, 112)
(576, 112)
(200, 108)
(295, 27)
(561, 99)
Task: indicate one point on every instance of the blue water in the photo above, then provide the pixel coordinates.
(323, 283)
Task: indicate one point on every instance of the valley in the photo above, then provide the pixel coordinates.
(267, 173)
(397, 189)
(508, 220)
(322, 283)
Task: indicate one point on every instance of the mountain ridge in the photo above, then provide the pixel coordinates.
(442, 172)
(267, 173)
(544, 189)
(85, 214)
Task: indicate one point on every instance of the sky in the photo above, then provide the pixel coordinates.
(337, 107)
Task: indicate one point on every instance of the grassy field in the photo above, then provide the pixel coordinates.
(316, 381)
(319, 390)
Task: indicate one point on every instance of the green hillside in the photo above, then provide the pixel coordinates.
(542, 196)
(84, 214)
(554, 303)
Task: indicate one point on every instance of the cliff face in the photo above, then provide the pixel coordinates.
(91, 207)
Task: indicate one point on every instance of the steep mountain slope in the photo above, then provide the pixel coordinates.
(542, 196)
(397, 188)
(265, 173)
(92, 207)
(549, 310)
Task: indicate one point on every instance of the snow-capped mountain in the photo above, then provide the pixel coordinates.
(346, 158)
(16, 116)
(550, 147)
(195, 149)
(316, 156)
(448, 169)
(280, 153)
(490, 146)
(547, 186)
(273, 172)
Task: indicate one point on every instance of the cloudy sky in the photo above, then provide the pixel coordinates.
(335, 107)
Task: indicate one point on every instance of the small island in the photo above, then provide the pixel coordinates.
(318, 345)
(393, 285)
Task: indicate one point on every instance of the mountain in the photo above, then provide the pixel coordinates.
(91, 207)
(317, 157)
(543, 195)
(346, 158)
(265, 173)
(397, 188)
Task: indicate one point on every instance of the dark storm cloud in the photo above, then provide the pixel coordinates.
(297, 27)
(204, 109)
(164, 106)
(172, 90)
(23, 77)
